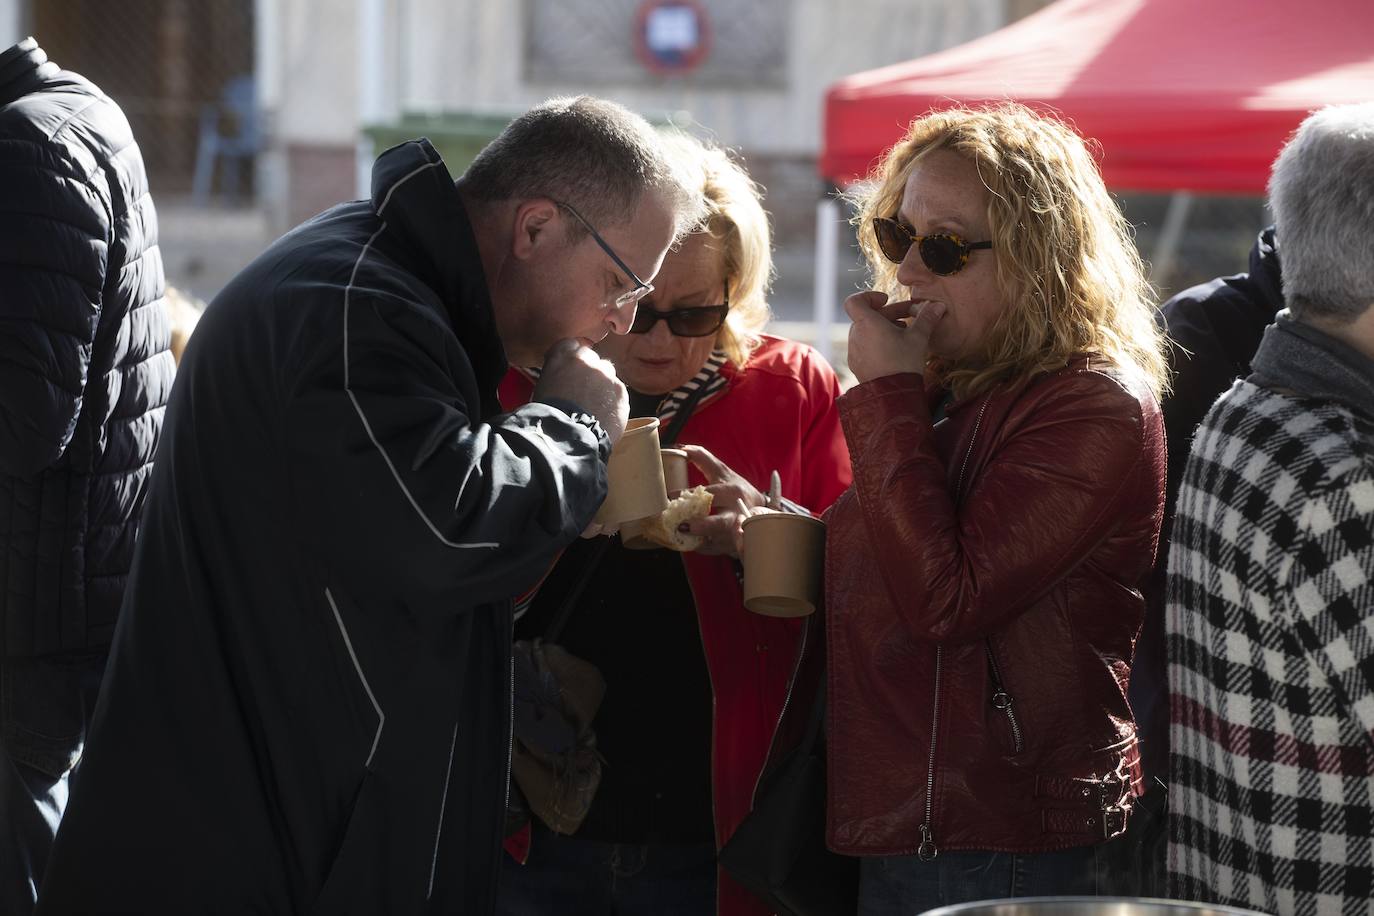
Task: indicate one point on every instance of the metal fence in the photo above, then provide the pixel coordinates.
(168, 63)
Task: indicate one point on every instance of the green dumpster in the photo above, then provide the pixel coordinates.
(458, 135)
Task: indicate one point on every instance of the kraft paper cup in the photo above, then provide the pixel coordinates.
(635, 475)
(674, 478)
(674, 468)
(783, 558)
(632, 535)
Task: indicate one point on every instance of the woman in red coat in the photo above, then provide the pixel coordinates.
(695, 684)
(983, 574)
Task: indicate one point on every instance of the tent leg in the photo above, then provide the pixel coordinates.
(1170, 234)
(827, 240)
(373, 35)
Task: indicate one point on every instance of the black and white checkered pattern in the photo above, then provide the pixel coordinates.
(1271, 658)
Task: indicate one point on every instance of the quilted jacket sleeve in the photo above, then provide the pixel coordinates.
(55, 227)
(1054, 490)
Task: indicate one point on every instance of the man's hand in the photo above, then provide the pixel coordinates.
(889, 338)
(575, 373)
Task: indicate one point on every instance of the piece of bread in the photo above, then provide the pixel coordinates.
(662, 528)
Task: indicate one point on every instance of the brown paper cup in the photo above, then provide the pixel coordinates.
(674, 468)
(635, 475)
(632, 535)
(674, 478)
(783, 557)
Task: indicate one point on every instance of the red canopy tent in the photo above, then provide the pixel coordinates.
(1181, 94)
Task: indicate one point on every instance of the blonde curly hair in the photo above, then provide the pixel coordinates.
(1064, 254)
(738, 227)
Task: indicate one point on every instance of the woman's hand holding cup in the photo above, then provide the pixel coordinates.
(734, 497)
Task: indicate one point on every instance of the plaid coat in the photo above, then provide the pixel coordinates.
(1271, 648)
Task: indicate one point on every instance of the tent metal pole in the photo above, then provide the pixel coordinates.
(1170, 235)
(827, 241)
(12, 25)
(373, 34)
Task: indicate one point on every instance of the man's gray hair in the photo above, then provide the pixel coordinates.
(597, 156)
(1322, 195)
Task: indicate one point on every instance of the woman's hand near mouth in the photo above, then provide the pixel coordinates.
(889, 338)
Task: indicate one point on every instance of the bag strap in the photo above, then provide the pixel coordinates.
(813, 726)
(684, 413)
(560, 619)
(565, 609)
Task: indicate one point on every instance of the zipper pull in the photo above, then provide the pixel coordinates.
(1001, 699)
(927, 851)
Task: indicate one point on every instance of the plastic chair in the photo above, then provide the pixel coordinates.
(238, 102)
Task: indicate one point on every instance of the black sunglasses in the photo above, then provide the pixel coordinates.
(698, 321)
(944, 253)
(640, 288)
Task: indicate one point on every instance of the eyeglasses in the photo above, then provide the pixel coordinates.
(697, 321)
(640, 289)
(944, 253)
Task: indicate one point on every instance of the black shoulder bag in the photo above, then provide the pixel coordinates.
(779, 850)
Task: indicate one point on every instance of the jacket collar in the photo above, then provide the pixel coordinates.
(22, 68)
(712, 376)
(416, 198)
(1296, 356)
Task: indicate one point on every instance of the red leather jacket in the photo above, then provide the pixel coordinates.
(982, 588)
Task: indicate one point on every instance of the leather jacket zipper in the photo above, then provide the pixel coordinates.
(928, 850)
(1002, 700)
(977, 425)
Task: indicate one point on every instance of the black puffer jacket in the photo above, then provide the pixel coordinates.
(84, 363)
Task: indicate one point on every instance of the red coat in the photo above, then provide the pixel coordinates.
(778, 413)
(982, 587)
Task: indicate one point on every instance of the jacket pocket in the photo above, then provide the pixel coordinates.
(349, 885)
(1004, 718)
(45, 705)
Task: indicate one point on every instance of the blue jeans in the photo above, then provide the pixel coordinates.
(905, 885)
(569, 876)
(45, 706)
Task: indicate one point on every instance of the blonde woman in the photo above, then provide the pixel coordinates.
(983, 572)
(695, 683)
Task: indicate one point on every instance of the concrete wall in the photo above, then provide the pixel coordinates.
(446, 55)
(307, 59)
(465, 54)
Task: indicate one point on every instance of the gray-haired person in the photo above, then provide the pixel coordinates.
(1271, 572)
(308, 702)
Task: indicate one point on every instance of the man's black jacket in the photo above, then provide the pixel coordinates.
(1219, 324)
(308, 702)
